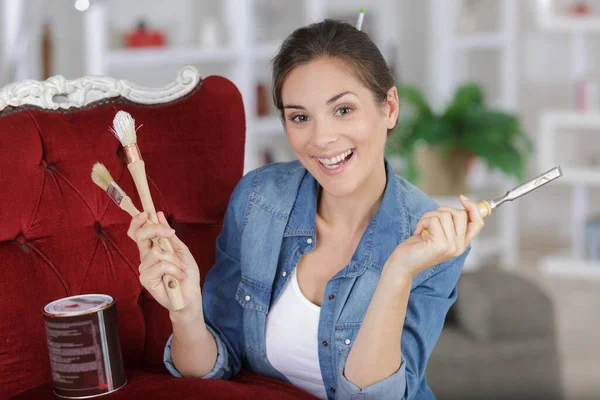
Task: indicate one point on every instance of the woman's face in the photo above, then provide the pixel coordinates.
(334, 125)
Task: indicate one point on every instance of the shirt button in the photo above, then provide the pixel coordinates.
(284, 274)
(247, 298)
(332, 390)
(309, 241)
(347, 341)
(325, 344)
(331, 296)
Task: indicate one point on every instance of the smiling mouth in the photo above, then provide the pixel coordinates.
(335, 162)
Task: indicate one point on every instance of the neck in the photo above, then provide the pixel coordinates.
(352, 213)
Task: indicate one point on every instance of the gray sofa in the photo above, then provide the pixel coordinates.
(499, 342)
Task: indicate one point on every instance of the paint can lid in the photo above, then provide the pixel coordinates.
(78, 305)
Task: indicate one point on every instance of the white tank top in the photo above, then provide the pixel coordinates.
(292, 339)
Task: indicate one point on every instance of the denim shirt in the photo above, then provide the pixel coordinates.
(269, 224)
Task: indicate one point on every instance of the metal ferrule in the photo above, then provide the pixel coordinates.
(494, 204)
(132, 152)
(115, 192)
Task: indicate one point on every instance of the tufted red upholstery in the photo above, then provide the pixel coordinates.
(60, 235)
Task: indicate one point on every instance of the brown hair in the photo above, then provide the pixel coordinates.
(331, 38)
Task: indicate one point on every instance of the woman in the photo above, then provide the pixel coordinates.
(321, 277)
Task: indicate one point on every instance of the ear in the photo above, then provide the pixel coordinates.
(392, 105)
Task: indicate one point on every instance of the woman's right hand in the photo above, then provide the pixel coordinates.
(157, 262)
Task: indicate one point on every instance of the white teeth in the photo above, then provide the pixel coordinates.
(327, 162)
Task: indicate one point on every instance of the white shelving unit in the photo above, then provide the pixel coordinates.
(550, 21)
(243, 56)
(578, 178)
(447, 60)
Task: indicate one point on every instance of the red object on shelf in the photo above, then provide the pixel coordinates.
(144, 37)
(580, 8)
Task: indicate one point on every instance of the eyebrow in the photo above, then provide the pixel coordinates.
(331, 100)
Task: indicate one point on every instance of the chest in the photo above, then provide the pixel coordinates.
(331, 254)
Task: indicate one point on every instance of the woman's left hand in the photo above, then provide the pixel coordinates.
(451, 231)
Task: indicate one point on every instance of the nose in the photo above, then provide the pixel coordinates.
(324, 134)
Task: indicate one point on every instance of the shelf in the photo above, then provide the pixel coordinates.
(571, 267)
(572, 119)
(154, 56)
(480, 42)
(570, 23)
(270, 125)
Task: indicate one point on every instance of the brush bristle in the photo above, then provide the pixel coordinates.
(101, 176)
(124, 128)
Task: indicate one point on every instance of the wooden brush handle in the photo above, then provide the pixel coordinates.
(484, 209)
(138, 172)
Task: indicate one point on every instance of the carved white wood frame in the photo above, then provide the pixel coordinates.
(57, 92)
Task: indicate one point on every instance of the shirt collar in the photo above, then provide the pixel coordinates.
(388, 227)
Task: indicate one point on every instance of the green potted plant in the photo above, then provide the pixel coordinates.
(437, 148)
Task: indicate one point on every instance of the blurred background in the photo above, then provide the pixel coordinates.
(493, 92)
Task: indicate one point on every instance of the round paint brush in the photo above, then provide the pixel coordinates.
(124, 130)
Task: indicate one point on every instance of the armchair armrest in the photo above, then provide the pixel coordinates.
(496, 305)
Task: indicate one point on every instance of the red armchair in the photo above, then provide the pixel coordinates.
(60, 235)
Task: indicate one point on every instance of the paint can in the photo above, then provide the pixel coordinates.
(83, 345)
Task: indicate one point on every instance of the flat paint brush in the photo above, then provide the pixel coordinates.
(104, 181)
(487, 207)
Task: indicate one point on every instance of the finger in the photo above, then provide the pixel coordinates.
(460, 219)
(150, 276)
(157, 255)
(136, 223)
(445, 219)
(475, 223)
(448, 227)
(175, 241)
(162, 219)
(148, 233)
(152, 231)
(434, 226)
(420, 227)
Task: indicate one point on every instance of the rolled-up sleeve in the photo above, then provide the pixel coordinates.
(221, 365)
(428, 305)
(385, 389)
(222, 312)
